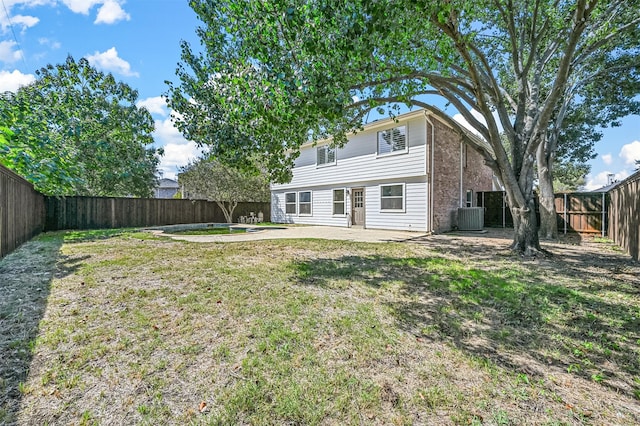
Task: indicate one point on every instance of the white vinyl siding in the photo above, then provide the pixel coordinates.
(290, 203)
(339, 202)
(392, 198)
(359, 162)
(359, 165)
(325, 155)
(414, 217)
(392, 140)
(304, 203)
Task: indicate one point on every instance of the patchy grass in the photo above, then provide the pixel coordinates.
(146, 330)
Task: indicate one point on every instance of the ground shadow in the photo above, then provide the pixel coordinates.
(25, 284)
(508, 315)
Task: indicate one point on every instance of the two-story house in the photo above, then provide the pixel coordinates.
(411, 173)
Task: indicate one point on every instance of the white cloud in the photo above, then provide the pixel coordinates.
(607, 159)
(7, 18)
(463, 121)
(111, 62)
(7, 53)
(630, 152)
(165, 133)
(23, 21)
(11, 81)
(176, 156)
(178, 151)
(81, 6)
(602, 179)
(49, 43)
(155, 105)
(111, 12)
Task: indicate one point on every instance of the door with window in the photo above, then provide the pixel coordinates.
(357, 207)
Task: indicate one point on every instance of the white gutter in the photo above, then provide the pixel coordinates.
(430, 219)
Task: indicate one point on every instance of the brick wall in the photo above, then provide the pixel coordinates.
(476, 175)
(446, 190)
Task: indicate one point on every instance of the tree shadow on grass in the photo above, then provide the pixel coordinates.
(25, 285)
(503, 312)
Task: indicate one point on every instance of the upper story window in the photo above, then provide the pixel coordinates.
(392, 140)
(325, 155)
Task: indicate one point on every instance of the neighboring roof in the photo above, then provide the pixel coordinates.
(167, 183)
(608, 188)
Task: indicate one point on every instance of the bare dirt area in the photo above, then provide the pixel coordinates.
(585, 255)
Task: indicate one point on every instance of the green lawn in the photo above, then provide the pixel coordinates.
(120, 327)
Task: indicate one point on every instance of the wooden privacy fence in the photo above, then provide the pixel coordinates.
(583, 212)
(21, 211)
(624, 215)
(104, 212)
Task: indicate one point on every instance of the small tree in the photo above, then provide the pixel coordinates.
(227, 186)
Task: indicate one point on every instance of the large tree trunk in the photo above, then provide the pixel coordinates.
(548, 219)
(521, 203)
(525, 230)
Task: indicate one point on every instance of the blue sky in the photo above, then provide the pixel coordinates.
(139, 42)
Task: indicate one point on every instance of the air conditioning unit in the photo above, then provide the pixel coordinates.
(471, 218)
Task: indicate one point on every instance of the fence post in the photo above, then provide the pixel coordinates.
(565, 213)
(604, 207)
(504, 219)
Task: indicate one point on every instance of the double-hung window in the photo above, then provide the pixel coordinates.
(392, 140)
(392, 198)
(325, 155)
(338, 202)
(290, 203)
(304, 203)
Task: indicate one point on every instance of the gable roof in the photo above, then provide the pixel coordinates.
(167, 183)
(384, 122)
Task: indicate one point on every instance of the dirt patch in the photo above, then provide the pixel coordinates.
(585, 255)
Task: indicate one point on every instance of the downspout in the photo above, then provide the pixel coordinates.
(461, 171)
(431, 172)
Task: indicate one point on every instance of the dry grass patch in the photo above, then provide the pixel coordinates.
(144, 330)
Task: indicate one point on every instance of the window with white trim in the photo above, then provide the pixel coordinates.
(392, 197)
(304, 203)
(325, 155)
(392, 140)
(338, 201)
(290, 203)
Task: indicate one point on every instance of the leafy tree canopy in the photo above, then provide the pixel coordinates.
(211, 180)
(77, 131)
(274, 74)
